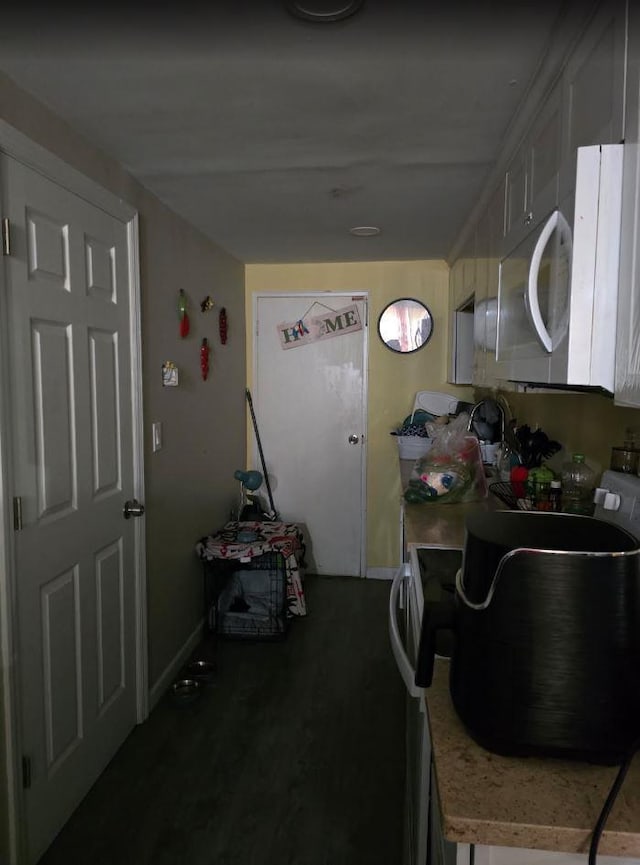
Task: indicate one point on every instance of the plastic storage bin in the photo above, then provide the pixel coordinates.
(434, 402)
(413, 447)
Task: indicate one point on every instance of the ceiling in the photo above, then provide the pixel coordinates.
(275, 136)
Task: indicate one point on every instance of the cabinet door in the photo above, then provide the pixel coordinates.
(478, 375)
(531, 181)
(455, 279)
(468, 273)
(593, 87)
(515, 202)
(544, 157)
(442, 852)
(627, 376)
(487, 311)
(418, 755)
(460, 363)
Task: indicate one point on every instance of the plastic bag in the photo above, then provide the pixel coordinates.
(452, 470)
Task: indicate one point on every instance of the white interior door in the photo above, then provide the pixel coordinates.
(311, 410)
(67, 281)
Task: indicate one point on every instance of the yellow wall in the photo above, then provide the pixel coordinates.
(583, 423)
(393, 378)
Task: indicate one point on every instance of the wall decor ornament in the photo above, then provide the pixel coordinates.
(169, 374)
(223, 326)
(183, 314)
(207, 304)
(204, 359)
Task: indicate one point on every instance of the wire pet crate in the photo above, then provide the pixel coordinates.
(252, 604)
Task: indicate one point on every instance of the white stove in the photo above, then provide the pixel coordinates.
(618, 500)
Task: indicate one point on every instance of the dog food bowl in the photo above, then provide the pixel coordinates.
(201, 671)
(185, 691)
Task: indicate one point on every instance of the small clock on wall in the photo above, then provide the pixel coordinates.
(405, 325)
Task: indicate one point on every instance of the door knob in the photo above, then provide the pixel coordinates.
(353, 439)
(132, 508)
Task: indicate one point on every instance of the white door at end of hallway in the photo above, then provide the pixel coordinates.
(310, 404)
(67, 283)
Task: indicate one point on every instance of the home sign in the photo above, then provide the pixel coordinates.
(338, 322)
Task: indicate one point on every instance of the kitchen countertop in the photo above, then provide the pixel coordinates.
(431, 524)
(544, 804)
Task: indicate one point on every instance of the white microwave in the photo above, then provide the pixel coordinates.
(558, 288)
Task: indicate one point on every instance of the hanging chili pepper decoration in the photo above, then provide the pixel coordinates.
(222, 322)
(204, 359)
(182, 312)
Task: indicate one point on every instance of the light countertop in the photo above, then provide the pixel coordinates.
(545, 804)
(438, 525)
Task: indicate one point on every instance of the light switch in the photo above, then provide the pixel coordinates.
(156, 432)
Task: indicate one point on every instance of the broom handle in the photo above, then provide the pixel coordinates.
(264, 468)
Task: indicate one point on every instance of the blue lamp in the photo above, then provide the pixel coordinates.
(249, 481)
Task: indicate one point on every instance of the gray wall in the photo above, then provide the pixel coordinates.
(189, 483)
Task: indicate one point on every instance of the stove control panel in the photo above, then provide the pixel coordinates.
(617, 500)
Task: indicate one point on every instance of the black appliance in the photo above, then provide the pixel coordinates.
(546, 627)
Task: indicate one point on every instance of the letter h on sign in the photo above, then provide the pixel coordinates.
(294, 333)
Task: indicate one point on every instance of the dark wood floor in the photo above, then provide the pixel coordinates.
(293, 756)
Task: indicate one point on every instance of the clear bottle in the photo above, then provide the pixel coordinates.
(578, 483)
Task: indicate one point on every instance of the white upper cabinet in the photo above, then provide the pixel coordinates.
(478, 375)
(627, 376)
(531, 179)
(584, 105)
(495, 218)
(489, 238)
(515, 201)
(464, 273)
(461, 302)
(594, 88)
(545, 143)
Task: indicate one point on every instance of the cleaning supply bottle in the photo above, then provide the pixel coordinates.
(555, 495)
(578, 483)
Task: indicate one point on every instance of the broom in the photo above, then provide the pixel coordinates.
(273, 514)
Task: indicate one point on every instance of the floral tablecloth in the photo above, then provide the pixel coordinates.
(285, 538)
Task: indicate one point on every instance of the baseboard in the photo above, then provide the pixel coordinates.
(170, 672)
(381, 573)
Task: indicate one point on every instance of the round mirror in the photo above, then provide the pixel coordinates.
(405, 325)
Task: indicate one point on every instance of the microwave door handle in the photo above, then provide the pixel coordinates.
(532, 286)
